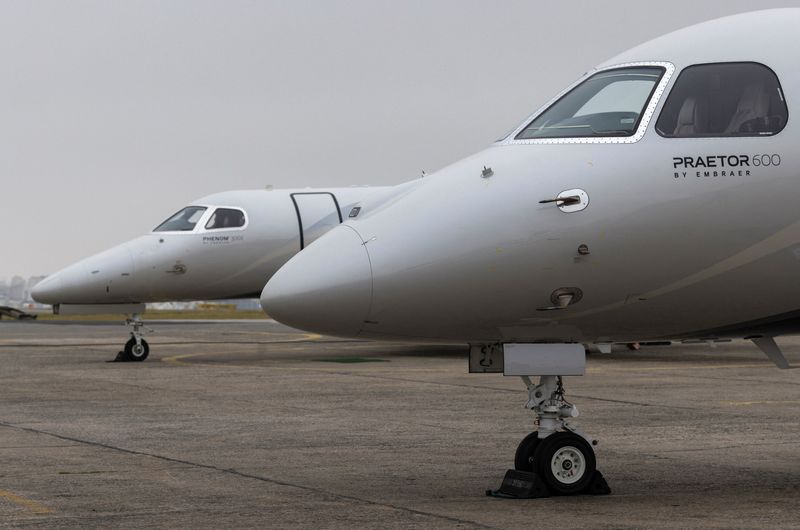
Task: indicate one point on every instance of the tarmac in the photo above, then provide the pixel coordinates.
(252, 424)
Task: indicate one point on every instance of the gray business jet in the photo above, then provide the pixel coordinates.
(655, 198)
(222, 246)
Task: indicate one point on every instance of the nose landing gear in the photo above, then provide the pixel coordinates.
(557, 459)
(136, 349)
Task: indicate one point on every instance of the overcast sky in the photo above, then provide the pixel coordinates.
(115, 114)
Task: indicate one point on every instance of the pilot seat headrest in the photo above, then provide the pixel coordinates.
(692, 118)
(753, 105)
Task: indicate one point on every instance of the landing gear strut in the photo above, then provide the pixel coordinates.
(557, 459)
(136, 349)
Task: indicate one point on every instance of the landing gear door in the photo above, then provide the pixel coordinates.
(317, 212)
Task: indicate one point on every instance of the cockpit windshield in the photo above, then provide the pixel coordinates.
(183, 221)
(609, 103)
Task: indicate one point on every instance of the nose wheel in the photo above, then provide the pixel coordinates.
(524, 457)
(566, 462)
(136, 350)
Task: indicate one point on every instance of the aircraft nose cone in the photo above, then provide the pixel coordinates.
(100, 279)
(326, 288)
(47, 291)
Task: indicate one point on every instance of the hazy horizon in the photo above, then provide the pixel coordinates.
(117, 114)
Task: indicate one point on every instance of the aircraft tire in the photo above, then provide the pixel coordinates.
(566, 462)
(523, 458)
(136, 352)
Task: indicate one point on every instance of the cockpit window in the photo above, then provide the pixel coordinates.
(225, 218)
(183, 221)
(724, 99)
(608, 104)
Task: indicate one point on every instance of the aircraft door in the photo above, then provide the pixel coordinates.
(317, 212)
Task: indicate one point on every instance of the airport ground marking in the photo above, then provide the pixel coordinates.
(28, 504)
(678, 366)
(178, 360)
(763, 402)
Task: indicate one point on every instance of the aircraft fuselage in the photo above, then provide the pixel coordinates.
(206, 262)
(654, 198)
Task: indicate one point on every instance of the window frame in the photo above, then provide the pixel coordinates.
(644, 118)
(721, 136)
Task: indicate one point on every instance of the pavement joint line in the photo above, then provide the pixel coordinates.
(3, 447)
(509, 390)
(521, 391)
(28, 504)
(176, 343)
(230, 471)
(732, 446)
(105, 516)
(744, 380)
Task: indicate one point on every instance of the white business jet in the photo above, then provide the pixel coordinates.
(656, 198)
(222, 246)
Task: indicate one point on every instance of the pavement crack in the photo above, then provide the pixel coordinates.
(242, 474)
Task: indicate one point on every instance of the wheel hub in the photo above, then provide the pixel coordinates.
(568, 465)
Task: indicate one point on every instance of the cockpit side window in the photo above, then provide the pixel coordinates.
(183, 221)
(724, 100)
(608, 104)
(225, 218)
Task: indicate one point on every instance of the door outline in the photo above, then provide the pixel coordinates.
(300, 219)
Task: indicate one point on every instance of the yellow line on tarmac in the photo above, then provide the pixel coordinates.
(177, 360)
(766, 402)
(676, 367)
(30, 505)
